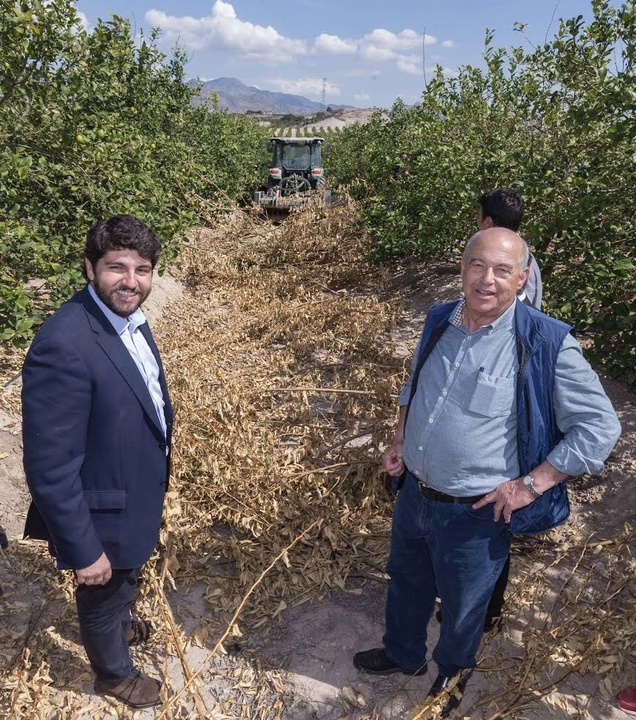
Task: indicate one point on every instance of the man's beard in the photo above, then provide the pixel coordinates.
(109, 298)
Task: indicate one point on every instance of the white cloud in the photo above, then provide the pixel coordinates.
(361, 96)
(333, 45)
(405, 40)
(307, 87)
(379, 46)
(222, 30)
(448, 44)
(410, 64)
(376, 54)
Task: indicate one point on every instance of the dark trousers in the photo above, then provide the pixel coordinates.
(495, 606)
(445, 548)
(104, 616)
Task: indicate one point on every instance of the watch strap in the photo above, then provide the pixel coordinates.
(528, 483)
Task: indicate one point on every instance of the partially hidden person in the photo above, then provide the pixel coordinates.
(504, 207)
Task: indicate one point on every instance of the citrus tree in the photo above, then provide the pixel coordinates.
(558, 123)
(93, 124)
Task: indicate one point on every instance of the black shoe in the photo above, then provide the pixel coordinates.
(453, 695)
(376, 662)
(493, 623)
(4, 543)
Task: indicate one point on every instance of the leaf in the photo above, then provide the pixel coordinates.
(353, 696)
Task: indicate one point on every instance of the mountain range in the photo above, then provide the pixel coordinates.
(236, 97)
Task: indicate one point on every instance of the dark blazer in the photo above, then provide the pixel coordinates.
(94, 452)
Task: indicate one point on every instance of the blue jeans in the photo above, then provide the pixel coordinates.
(445, 548)
(104, 616)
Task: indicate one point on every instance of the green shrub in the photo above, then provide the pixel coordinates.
(559, 124)
(94, 124)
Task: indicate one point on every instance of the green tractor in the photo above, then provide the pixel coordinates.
(296, 176)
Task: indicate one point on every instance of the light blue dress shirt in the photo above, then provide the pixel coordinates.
(462, 424)
(139, 350)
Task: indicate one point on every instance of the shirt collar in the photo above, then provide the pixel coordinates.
(120, 324)
(503, 321)
(456, 317)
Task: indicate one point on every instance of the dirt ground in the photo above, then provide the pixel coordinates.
(302, 658)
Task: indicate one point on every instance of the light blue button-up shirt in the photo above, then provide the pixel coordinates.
(461, 431)
(128, 330)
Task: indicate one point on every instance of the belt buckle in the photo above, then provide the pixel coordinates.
(433, 494)
(428, 491)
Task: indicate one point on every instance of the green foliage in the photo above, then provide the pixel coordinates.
(359, 161)
(18, 314)
(559, 124)
(94, 124)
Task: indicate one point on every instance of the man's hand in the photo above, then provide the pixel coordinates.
(392, 459)
(99, 573)
(508, 497)
(513, 494)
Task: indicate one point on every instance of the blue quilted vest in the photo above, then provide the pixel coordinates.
(539, 339)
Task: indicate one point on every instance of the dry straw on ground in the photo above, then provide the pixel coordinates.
(284, 375)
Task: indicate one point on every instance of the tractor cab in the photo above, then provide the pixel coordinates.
(296, 165)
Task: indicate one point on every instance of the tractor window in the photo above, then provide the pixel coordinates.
(296, 156)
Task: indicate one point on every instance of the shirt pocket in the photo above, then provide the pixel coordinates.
(492, 396)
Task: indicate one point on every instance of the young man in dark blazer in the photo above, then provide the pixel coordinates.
(97, 425)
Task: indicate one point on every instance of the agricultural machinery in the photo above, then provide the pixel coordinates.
(296, 176)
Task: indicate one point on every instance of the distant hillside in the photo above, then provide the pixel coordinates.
(237, 97)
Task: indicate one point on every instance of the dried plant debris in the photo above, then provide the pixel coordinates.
(11, 360)
(285, 357)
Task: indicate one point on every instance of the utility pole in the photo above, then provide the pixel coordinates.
(424, 58)
(324, 93)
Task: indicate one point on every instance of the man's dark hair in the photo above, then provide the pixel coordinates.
(504, 206)
(121, 232)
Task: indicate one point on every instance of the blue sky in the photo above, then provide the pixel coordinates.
(365, 53)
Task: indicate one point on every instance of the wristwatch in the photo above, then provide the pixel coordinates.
(528, 483)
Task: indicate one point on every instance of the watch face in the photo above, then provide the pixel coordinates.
(528, 482)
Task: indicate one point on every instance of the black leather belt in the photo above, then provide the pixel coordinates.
(432, 494)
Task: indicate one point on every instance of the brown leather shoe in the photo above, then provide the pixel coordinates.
(138, 691)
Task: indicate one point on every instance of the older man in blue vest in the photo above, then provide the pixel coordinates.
(501, 408)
